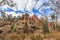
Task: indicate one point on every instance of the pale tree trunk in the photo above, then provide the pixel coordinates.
(57, 17)
(57, 3)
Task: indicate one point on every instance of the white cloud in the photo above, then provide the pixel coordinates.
(20, 4)
(58, 20)
(30, 5)
(31, 14)
(13, 14)
(3, 7)
(39, 3)
(39, 16)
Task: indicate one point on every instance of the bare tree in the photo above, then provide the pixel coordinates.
(2, 2)
(9, 3)
(53, 18)
(56, 7)
(3, 15)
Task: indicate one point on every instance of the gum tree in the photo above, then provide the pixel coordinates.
(5, 2)
(56, 8)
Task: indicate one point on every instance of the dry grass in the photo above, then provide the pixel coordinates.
(30, 36)
(22, 36)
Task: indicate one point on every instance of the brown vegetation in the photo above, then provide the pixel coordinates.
(27, 28)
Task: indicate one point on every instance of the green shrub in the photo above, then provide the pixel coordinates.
(25, 29)
(34, 28)
(1, 31)
(45, 28)
(58, 27)
(12, 28)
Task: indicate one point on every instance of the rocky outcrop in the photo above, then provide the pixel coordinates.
(26, 17)
(36, 20)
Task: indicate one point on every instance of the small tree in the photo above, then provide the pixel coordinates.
(53, 17)
(45, 27)
(11, 28)
(3, 15)
(25, 29)
(22, 17)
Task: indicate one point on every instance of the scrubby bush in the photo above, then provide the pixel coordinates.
(34, 28)
(58, 28)
(11, 29)
(45, 27)
(25, 29)
(1, 31)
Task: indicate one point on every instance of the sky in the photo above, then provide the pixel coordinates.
(28, 6)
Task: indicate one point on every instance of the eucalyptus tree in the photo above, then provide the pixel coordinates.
(53, 19)
(9, 17)
(56, 8)
(9, 3)
(3, 15)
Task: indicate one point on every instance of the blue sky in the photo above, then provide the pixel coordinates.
(28, 6)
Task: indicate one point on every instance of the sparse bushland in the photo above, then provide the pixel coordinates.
(17, 29)
(10, 29)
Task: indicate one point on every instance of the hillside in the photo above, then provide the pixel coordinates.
(27, 28)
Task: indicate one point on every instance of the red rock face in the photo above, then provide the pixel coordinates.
(36, 20)
(26, 17)
(34, 17)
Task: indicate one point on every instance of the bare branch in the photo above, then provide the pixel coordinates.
(2, 2)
